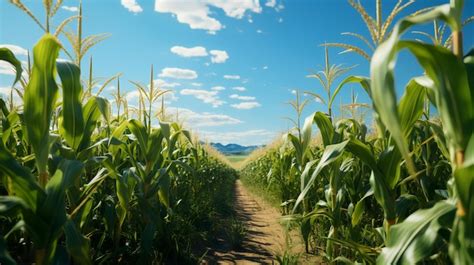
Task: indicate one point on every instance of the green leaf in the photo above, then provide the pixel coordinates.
(11, 205)
(140, 132)
(331, 153)
(363, 81)
(413, 240)
(155, 145)
(363, 152)
(24, 183)
(72, 125)
(8, 56)
(77, 244)
(325, 127)
(360, 208)
(5, 257)
(444, 69)
(53, 210)
(411, 105)
(92, 110)
(462, 238)
(40, 98)
(389, 164)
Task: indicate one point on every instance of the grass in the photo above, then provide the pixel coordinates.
(236, 158)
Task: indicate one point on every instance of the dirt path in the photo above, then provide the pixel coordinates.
(265, 236)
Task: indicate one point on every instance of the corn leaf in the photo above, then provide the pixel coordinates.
(446, 71)
(40, 97)
(77, 244)
(413, 240)
(8, 56)
(24, 183)
(331, 153)
(72, 125)
(325, 127)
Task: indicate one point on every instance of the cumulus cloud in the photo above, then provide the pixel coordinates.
(132, 6)
(235, 77)
(205, 119)
(271, 3)
(197, 51)
(249, 137)
(219, 56)
(197, 13)
(134, 96)
(218, 88)
(17, 50)
(5, 93)
(208, 97)
(239, 88)
(244, 98)
(246, 105)
(178, 73)
(70, 8)
(6, 68)
(160, 83)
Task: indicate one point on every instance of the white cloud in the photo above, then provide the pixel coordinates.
(197, 13)
(196, 120)
(134, 96)
(208, 97)
(197, 51)
(265, 67)
(132, 6)
(218, 88)
(178, 73)
(250, 137)
(271, 3)
(259, 31)
(245, 98)
(6, 68)
(160, 83)
(235, 77)
(219, 56)
(196, 84)
(239, 88)
(246, 105)
(5, 94)
(70, 8)
(17, 50)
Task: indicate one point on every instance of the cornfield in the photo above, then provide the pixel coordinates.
(402, 193)
(82, 185)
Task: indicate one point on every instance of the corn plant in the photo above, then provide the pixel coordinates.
(448, 83)
(326, 78)
(378, 28)
(78, 187)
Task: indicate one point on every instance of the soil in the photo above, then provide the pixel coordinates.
(265, 238)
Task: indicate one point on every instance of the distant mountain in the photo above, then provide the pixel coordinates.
(234, 149)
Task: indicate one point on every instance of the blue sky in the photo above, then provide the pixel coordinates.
(232, 65)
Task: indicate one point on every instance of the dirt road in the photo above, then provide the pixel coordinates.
(265, 236)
